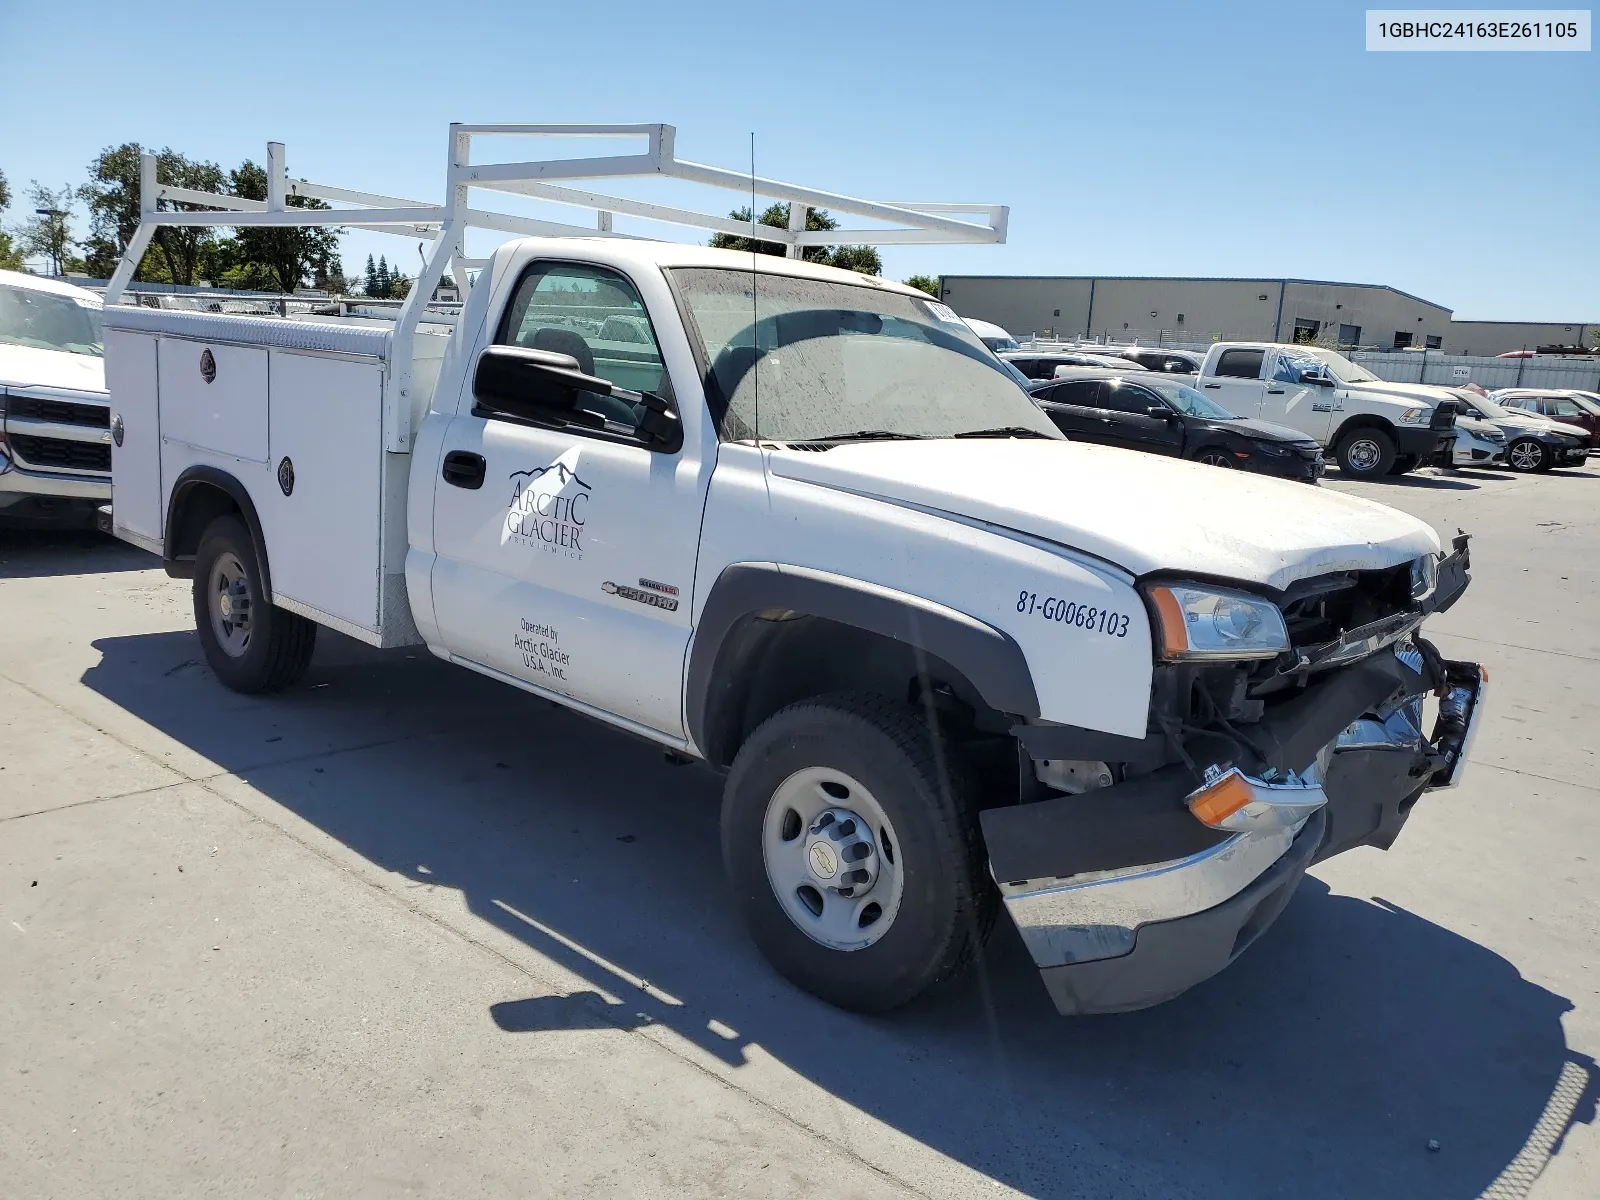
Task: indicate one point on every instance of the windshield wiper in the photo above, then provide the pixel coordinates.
(1004, 431)
(863, 435)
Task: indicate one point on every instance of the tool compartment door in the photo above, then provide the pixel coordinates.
(321, 511)
(137, 505)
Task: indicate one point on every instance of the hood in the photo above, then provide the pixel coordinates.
(1142, 512)
(1424, 393)
(26, 366)
(1517, 421)
(1267, 431)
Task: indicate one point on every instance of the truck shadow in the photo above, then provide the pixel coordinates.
(36, 553)
(1319, 1065)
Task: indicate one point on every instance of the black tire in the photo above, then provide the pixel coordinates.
(1214, 456)
(1528, 456)
(948, 902)
(277, 648)
(1366, 453)
(1405, 463)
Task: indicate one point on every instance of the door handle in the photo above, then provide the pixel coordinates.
(464, 469)
(1213, 385)
(1274, 391)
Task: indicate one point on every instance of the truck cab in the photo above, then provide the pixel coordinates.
(799, 524)
(1373, 428)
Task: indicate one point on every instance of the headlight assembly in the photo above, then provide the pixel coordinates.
(1424, 577)
(1205, 622)
(1414, 416)
(1276, 449)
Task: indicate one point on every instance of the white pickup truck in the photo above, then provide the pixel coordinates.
(798, 524)
(1372, 427)
(55, 438)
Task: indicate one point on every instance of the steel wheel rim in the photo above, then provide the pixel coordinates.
(812, 897)
(228, 603)
(1526, 456)
(1364, 454)
(1216, 459)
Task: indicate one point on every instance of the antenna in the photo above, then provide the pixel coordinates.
(755, 308)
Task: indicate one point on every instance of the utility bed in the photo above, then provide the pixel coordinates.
(284, 407)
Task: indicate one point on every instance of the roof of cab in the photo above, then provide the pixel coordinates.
(680, 254)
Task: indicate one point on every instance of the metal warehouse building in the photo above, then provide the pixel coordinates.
(1200, 310)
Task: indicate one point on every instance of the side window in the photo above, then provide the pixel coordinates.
(1290, 365)
(1085, 393)
(1125, 398)
(1565, 408)
(596, 316)
(1240, 364)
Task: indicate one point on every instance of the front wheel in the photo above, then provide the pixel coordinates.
(854, 852)
(1366, 453)
(1527, 456)
(252, 645)
(1213, 457)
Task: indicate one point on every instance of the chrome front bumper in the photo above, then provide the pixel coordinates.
(18, 483)
(1115, 940)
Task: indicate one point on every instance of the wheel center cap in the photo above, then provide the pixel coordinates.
(824, 863)
(225, 604)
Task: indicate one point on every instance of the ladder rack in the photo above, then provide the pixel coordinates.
(444, 226)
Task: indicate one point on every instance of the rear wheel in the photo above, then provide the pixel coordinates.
(1366, 453)
(854, 852)
(1527, 456)
(252, 645)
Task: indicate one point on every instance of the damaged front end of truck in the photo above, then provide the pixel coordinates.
(1136, 868)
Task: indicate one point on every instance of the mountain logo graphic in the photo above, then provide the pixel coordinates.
(549, 507)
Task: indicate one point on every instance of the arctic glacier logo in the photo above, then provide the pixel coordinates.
(549, 506)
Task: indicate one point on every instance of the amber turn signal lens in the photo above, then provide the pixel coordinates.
(1220, 800)
(1174, 633)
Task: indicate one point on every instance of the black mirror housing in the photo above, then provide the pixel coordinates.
(1315, 378)
(1160, 412)
(535, 384)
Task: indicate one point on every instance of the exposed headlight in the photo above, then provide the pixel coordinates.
(1204, 622)
(1414, 416)
(1276, 449)
(1424, 577)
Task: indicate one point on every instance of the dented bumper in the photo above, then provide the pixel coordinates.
(1125, 897)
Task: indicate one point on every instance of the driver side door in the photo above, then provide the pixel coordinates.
(566, 547)
(1303, 406)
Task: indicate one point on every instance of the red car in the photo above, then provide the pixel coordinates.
(1568, 407)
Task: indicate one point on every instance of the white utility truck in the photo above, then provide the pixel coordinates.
(1373, 427)
(800, 524)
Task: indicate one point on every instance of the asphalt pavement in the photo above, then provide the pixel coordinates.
(402, 931)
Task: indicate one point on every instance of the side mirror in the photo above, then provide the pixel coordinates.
(1160, 412)
(540, 385)
(1315, 379)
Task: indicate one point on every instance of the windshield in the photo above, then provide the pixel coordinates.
(1342, 368)
(998, 344)
(1491, 409)
(47, 321)
(797, 359)
(1188, 401)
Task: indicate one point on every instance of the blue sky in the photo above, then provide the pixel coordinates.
(1128, 138)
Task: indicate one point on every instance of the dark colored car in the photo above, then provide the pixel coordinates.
(1161, 415)
(1568, 407)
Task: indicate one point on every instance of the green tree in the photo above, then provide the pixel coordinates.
(49, 231)
(10, 256)
(276, 259)
(851, 258)
(370, 279)
(924, 283)
(384, 282)
(399, 286)
(177, 254)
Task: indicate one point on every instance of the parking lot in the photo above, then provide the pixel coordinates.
(405, 931)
